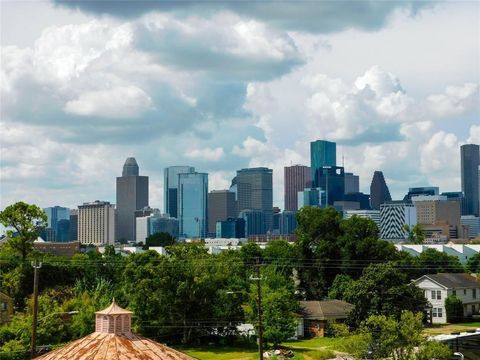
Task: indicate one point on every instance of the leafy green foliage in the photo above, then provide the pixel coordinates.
(473, 264)
(415, 234)
(401, 339)
(331, 246)
(383, 290)
(340, 286)
(454, 309)
(27, 221)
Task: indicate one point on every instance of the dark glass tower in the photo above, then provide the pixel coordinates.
(322, 153)
(170, 187)
(379, 192)
(132, 194)
(221, 206)
(254, 188)
(470, 162)
(193, 204)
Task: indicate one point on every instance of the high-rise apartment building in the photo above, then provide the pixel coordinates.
(470, 162)
(132, 194)
(394, 215)
(96, 223)
(322, 153)
(192, 204)
(296, 178)
(221, 206)
(255, 192)
(170, 187)
(352, 183)
(379, 192)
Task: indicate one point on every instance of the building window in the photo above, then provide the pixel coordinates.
(3, 306)
(436, 295)
(437, 312)
(454, 292)
(474, 293)
(464, 291)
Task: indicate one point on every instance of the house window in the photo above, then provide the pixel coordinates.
(436, 295)
(454, 292)
(437, 312)
(474, 293)
(464, 291)
(3, 306)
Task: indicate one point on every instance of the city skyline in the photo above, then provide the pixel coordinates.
(85, 88)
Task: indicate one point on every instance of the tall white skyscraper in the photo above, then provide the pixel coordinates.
(96, 223)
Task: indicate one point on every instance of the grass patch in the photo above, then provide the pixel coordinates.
(449, 328)
(310, 349)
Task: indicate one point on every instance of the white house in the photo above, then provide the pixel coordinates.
(437, 287)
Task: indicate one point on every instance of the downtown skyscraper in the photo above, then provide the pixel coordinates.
(470, 163)
(379, 192)
(296, 178)
(193, 204)
(254, 188)
(322, 154)
(132, 194)
(170, 187)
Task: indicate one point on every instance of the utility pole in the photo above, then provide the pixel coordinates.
(36, 269)
(259, 308)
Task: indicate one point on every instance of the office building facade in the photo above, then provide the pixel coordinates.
(322, 153)
(394, 215)
(96, 223)
(255, 192)
(470, 163)
(221, 206)
(352, 183)
(418, 191)
(57, 215)
(373, 215)
(230, 228)
(132, 194)
(170, 187)
(156, 223)
(332, 180)
(296, 178)
(379, 192)
(287, 222)
(472, 223)
(311, 197)
(254, 221)
(192, 204)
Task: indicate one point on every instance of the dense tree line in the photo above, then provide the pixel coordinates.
(190, 295)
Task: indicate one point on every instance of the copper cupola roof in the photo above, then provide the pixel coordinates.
(113, 340)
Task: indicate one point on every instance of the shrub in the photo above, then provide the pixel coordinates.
(454, 309)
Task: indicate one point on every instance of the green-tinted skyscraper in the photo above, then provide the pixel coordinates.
(322, 153)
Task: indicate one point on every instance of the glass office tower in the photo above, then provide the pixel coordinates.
(170, 187)
(322, 153)
(192, 204)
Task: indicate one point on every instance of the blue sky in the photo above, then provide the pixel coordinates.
(227, 85)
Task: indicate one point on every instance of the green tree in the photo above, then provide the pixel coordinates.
(415, 234)
(318, 249)
(278, 306)
(401, 339)
(173, 296)
(384, 290)
(340, 287)
(454, 309)
(160, 239)
(431, 261)
(361, 246)
(26, 220)
(473, 264)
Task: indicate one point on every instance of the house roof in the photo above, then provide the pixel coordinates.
(5, 295)
(113, 309)
(325, 310)
(453, 280)
(104, 346)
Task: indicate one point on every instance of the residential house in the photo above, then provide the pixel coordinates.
(314, 316)
(437, 287)
(6, 308)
